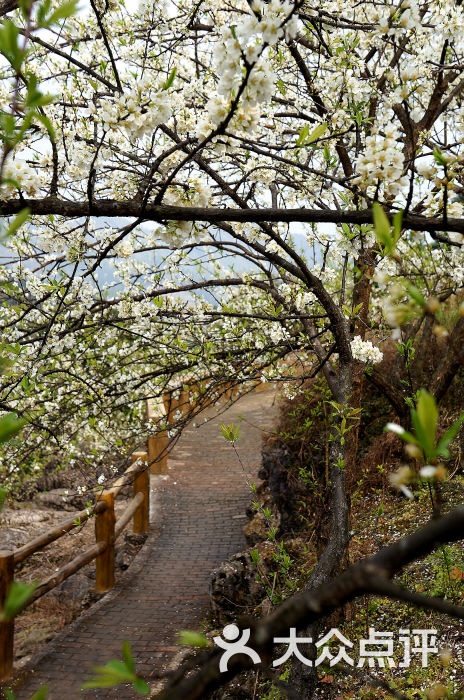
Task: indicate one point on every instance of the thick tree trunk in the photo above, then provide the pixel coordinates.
(303, 679)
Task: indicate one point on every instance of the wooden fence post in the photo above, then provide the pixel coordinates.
(104, 532)
(156, 445)
(6, 628)
(142, 485)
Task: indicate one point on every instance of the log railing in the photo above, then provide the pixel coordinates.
(107, 531)
(107, 528)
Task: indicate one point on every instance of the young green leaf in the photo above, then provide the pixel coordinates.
(18, 221)
(10, 425)
(229, 432)
(193, 639)
(170, 80)
(382, 228)
(127, 656)
(427, 414)
(18, 595)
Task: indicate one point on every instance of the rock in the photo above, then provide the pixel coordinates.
(27, 640)
(13, 537)
(73, 589)
(136, 540)
(91, 598)
(286, 491)
(256, 529)
(234, 586)
(123, 558)
(58, 499)
(24, 516)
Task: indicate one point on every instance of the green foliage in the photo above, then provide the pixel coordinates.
(170, 80)
(425, 421)
(18, 595)
(193, 639)
(9, 44)
(439, 157)
(230, 432)
(387, 235)
(10, 425)
(305, 138)
(47, 16)
(116, 672)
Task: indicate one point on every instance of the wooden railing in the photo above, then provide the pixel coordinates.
(107, 531)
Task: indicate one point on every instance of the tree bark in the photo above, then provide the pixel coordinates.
(303, 679)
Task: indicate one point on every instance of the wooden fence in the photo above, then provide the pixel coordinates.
(107, 528)
(107, 531)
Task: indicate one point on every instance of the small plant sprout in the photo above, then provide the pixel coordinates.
(230, 432)
(116, 672)
(425, 421)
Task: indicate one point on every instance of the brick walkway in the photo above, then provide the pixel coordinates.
(201, 508)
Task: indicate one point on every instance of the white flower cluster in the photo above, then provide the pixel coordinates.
(382, 161)
(246, 41)
(365, 351)
(135, 113)
(19, 171)
(198, 194)
(397, 21)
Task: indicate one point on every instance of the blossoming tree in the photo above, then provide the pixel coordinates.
(202, 193)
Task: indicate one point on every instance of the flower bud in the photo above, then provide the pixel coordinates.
(413, 451)
(432, 305)
(440, 332)
(441, 472)
(445, 656)
(436, 692)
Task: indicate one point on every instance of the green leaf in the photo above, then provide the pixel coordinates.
(427, 414)
(305, 138)
(382, 228)
(397, 224)
(418, 429)
(141, 686)
(170, 80)
(415, 294)
(114, 673)
(448, 437)
(47, 123)
(317, 133)
(304, 131)
(439, 157)
(9, 44)
(41, 694)
(10, 425)
(127, 656)
(229, 432)
(18, 595)
(193, 639)
(63, 11)
(18, 221)
(118, 667)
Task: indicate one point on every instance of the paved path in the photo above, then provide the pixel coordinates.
(201, 505)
